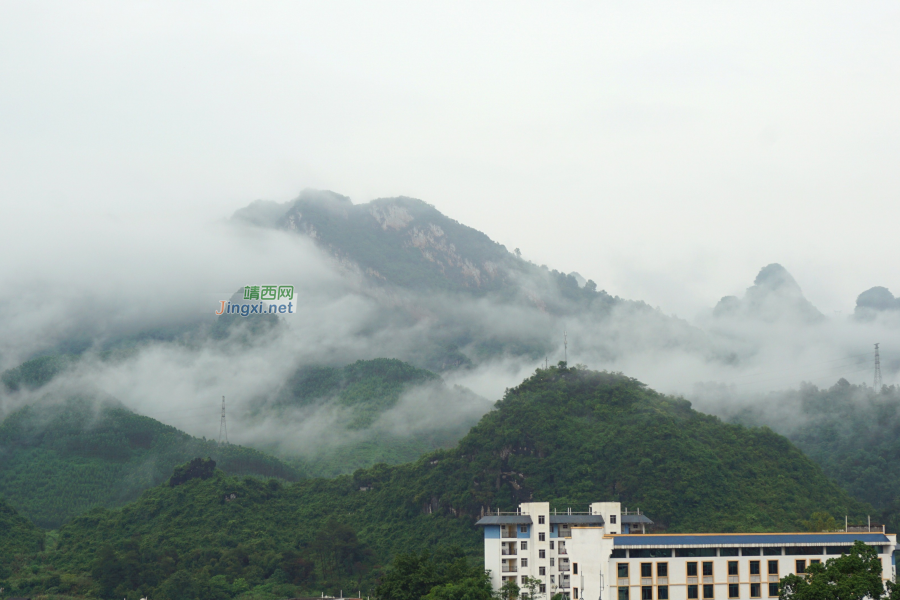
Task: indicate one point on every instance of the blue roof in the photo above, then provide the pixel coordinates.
(749, 539)
(505, 520)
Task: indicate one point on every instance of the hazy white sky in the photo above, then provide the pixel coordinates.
(666, 150)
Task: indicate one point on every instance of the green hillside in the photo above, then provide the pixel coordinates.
(365, 391)
(18, 537)
(564, 435)
(57, 461)
(367, 387)
(852, 431)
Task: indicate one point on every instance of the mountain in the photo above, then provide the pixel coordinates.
(774, 296)
(60, 460)
(565, 435)
(874, 301)
(409, 244)
(377, 411)
(462, 299)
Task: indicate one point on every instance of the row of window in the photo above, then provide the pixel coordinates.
(693, 591)
(524, 545)
(662, 568)
(710, 552)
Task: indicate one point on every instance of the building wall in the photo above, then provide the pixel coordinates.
(590, 548)
(677, 580)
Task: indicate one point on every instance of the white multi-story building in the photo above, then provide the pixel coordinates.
(605, 554)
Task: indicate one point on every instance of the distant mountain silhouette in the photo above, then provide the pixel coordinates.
(873, 301)
(774, 296)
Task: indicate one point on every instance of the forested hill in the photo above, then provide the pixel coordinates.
(18, 536)
(363, 394)
(852, 431)
(59, 460)
(567, 436)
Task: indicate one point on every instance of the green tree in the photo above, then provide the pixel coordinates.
(821, 521)
(852, 576)
(509, 590)
(477, 587)
(531, 584)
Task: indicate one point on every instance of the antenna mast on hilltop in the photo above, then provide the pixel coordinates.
(877, 383)
(223, 427)
(566, 347)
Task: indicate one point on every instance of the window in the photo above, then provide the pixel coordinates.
(612, 519)
(707, 569)
(754, 567)
(551, 544)
(523, 529)
(552, 561)
(524, 577)
(732, 567)
(662, 569)
(618, 553)
(540, 519)
(803, 550)
(523, 545)
(692, 592)
(707, 590)
(754, 590)
(773, 567)
(801, 566)
(733, 590)
(623, 570)
(623, 593)
(574, 592)
(553, 579)
(541, 536)
(542, 570)
(646, 593)
(773, 590)
(662, 592)
(815, 561)
(692, 569)
(543, 588)
(542, 554)
(692, 552)
(749, 551)
(524, 562)
(646, 570)
(728, 551)
(574, 568)
(771, 551)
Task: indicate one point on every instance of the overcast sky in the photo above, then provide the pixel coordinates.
(666, 150)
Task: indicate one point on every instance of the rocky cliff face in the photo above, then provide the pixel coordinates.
(402, 241)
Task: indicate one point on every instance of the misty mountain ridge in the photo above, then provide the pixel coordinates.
(875, 301)
(408, 243)
(775, 295)
(367, 412)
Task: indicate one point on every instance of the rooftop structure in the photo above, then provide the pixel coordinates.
(606, 554)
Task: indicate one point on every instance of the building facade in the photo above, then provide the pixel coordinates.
(607, 554)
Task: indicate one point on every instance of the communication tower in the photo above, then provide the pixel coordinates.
(223, 427)
(877, 383)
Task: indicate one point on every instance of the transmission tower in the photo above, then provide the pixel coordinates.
(877, 384)
(223, 427)
(566, 347)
